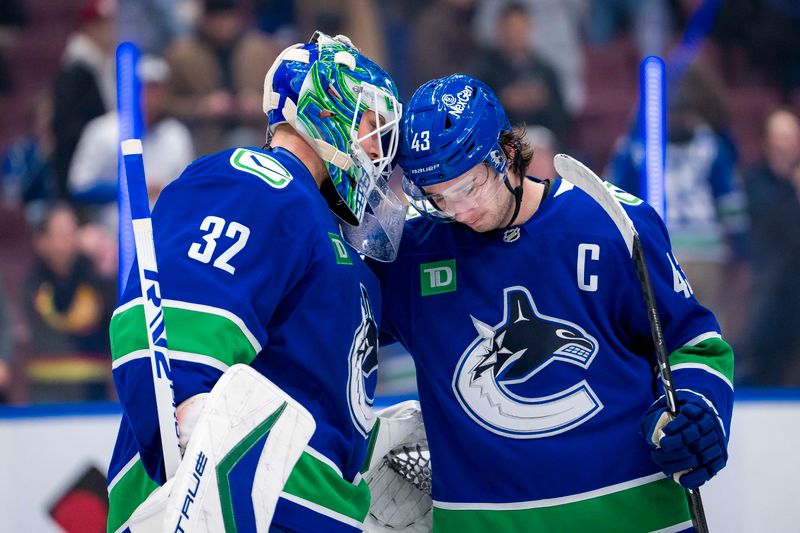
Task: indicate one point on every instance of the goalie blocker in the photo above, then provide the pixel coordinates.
(245, 444)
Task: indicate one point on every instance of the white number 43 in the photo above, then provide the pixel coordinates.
(680, 283)
(421, 141)
(214, 226)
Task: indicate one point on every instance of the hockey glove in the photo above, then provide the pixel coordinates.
(691, 446)
(398, 472)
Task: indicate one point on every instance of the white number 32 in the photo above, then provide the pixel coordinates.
(214, 226)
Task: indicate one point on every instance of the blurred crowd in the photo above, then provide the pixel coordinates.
(567, 69)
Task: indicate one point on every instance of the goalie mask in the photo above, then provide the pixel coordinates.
(322, 89)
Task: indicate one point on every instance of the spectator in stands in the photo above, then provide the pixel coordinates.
(151, 24)
(68, 308)
(28, 177)
(85, 87)
(558, 40)
(6, 346)
(277, 17)
(545, 147)
(217, 79)
(167, 146)
(13, 17)
(398, 19)
(358, 19)
(441, 40)
(527, 86)
(773, 195)
(706, 208)
(648, 20)
(100, 245)
(776, 44)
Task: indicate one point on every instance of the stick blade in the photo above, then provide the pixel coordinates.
(582, 177)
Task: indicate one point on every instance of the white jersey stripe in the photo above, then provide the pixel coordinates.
(322, 510)
(705, 368)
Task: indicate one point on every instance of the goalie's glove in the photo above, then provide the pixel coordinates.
(691, 446)
(398, 472)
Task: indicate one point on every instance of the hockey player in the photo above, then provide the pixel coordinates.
(535, 362)
(254, 270)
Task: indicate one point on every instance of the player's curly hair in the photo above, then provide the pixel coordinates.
(517, 149)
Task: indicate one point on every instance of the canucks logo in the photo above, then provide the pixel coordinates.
(363, 369)
(493, 373)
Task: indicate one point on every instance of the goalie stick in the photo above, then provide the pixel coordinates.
(151, 300)
(581, 176)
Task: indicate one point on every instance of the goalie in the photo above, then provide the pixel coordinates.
(271, 316)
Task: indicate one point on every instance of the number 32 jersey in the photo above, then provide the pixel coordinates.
(253, 270)
(535, 364)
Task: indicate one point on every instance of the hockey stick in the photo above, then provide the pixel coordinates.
(578, 174)
(151, 297)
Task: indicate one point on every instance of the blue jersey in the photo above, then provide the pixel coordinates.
(706, 206)
(253, 270)
(535, 365)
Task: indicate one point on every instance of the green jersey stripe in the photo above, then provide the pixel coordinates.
(316, 482)
(714, 353)
(126, 492)
(188, 330)
(652, 506)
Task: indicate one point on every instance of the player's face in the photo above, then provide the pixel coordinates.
(473, 198)
(366, 138)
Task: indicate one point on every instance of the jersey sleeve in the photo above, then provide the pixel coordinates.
(227, 252)
(700, 359)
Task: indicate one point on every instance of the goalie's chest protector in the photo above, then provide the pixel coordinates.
(534, 359)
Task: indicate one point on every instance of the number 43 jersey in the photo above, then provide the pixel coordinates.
(535, 364)
(253, 270)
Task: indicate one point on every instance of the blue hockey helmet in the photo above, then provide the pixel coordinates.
(321, 89)
(451, 125)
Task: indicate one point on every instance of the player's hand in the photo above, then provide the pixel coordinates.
(188, 413)
(691, 447)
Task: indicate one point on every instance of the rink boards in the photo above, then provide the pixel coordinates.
(46, 451)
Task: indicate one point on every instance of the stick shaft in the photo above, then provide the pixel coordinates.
(151, 298)
(665, 371)
(581, 176)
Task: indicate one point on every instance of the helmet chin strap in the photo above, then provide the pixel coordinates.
(516, 192)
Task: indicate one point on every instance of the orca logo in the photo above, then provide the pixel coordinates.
(511, 353)
(362, 374)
